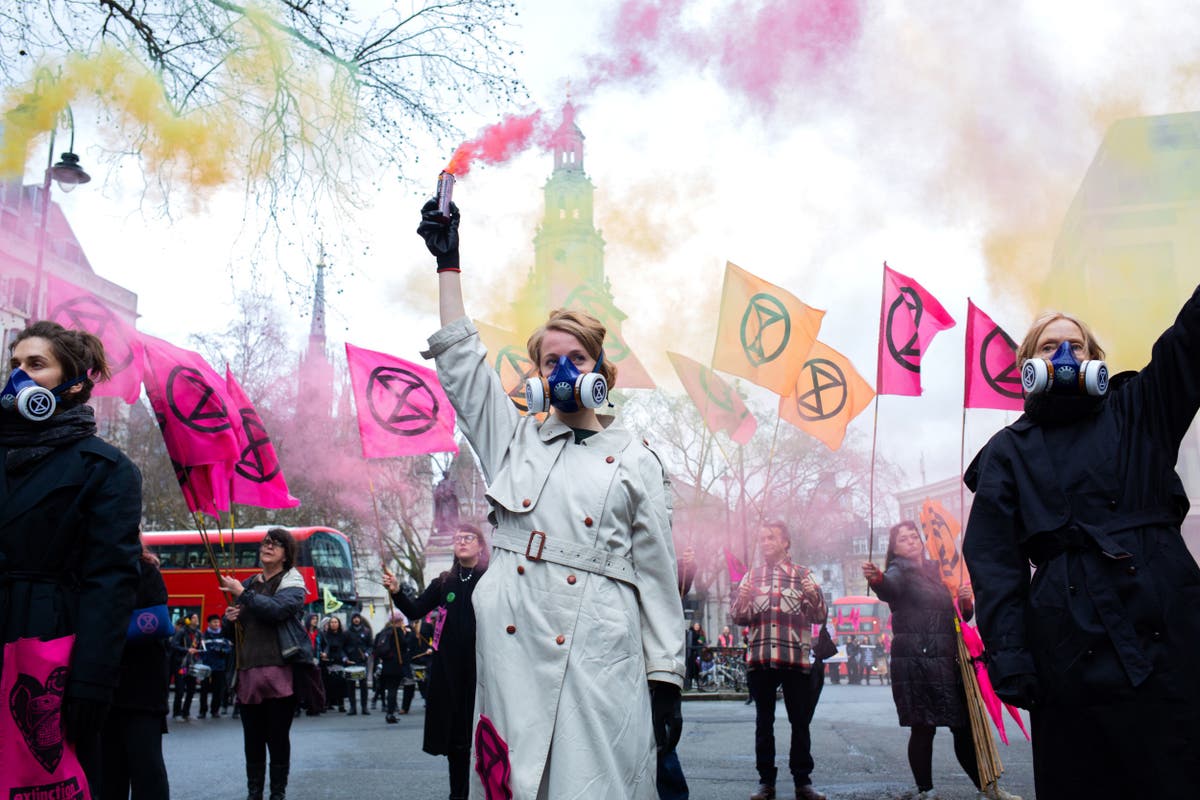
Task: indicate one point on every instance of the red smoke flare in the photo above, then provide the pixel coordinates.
(498, 142)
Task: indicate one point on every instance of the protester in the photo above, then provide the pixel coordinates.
(450, 701)
(333, 663)
(927, 682)
(725, 639)
(131, 746)
(266, 685)
(185, 644)
(780, 602)
(70, 505)
(696, 642)
(214, 655)
(1101, 646)
(359, 643)
(582, 599)
(394, 648)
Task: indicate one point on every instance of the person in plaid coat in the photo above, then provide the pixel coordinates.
(780, 602)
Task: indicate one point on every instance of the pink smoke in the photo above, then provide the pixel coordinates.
(756, 50)
(498, 143)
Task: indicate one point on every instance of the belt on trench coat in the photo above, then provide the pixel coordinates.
(537, 546)
(1081, 538)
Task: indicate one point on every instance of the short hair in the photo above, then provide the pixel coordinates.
(583, 326)
(780, 527)
(283, 537)
(79, 353)
(1028, 345)
(211, 617)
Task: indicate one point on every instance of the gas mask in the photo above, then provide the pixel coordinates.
(32, 401)
(1061, 374)
(567, 389)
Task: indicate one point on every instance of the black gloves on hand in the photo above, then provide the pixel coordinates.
(1019, 690)
(440, 235)
(82, 719)
(666, 713)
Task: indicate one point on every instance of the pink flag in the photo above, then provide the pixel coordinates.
(193, 412)
(990, 700)
(737, 570)
(993, 379)
(909, 318)
(854, 616)
(205, 487)
(257, 477)
(402, 410)
(72, 307)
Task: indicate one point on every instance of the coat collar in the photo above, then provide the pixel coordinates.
(613, 435)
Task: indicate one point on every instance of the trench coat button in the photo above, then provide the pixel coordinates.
(511, 629)
(1156, 636)
(1072, 589)
(526, 502)
(1132, 570)
(520, 570)
(559, 639)
(571, 579)
(609, 460)
(1089, 654)
(587, 521)
(646, 442)
(1112, 504)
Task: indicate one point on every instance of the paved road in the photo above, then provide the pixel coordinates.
(859, 752)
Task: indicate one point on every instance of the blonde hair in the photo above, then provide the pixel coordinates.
(1028, 346)
(583, 326)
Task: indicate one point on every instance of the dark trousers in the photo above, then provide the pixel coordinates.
(215, 683)
(920, 754)
(800, 693)
(460, 773)
(131, 757)
(362, 693)
(671, 783)
(184, 684)
(390, 685)
(267, 726)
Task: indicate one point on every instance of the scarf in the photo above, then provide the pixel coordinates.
(29, 442)
(1061, 409)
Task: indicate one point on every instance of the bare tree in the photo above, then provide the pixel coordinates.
(307, 86)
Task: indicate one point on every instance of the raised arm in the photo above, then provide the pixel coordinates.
(1168, 388)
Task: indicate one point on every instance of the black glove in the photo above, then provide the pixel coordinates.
(440, 235)
(82, 719)
(1019, 690)
(666, 713)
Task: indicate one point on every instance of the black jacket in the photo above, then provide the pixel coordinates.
(926, 678)
(450, 694)
(144, 671)
(1097, 506)
(68, 553)
(395, 662)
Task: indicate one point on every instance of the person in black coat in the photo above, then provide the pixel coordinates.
(133, 767)
(359, 644)
(70, 506)
(394, 648)
(333, 662)
(927, 680)
(1102, 644)
(450, 700)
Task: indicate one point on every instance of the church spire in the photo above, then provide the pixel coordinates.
(567, 142)
(316, 333)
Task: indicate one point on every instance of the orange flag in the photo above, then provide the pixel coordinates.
(720, 406)
(510, 358)
(941, 540)
(827, 394)
(764, 333)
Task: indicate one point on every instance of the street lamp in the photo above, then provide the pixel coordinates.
(67, 174)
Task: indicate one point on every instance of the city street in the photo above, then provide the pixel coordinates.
(858, 748)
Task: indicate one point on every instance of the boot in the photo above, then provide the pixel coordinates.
(256, 778)
(279, 776)
(994, 792)
(766, 791)
(807, 792)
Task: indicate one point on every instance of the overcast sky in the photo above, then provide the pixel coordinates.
(947, 139)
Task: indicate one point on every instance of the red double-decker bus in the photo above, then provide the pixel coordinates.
(864, 618)
(323, 559)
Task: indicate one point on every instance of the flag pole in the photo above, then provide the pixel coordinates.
(386, 571)
(962, 508)
(871, 492)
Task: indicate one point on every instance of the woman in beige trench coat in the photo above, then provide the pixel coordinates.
(578, 620)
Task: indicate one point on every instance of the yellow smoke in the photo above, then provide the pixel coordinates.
(271, 104)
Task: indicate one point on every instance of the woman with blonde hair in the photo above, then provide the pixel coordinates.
(580, 601)
(1101, 643)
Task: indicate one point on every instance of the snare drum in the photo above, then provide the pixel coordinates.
(355, 673)
(200, 671)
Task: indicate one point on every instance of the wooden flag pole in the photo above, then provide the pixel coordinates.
(383, 565)
(986, 754)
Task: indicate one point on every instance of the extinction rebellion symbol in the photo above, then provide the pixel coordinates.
(194, 403)
(513, 366)
(907, 355)
(766, 329)
(257, 462)
(824, 386)
(1002, 350)
(88, 314)
(397, 399)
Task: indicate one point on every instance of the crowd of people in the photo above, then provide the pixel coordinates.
(576, 590)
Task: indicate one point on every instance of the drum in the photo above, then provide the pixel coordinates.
(355, 672)
(336, 669)
(200, 671)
